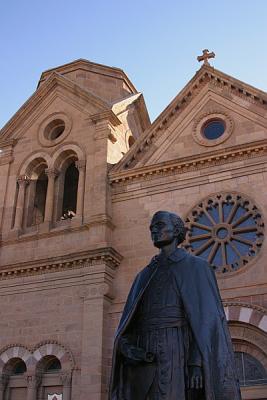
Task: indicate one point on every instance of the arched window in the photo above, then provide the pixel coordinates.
(35, 199)
(49, 368)
(70, 192)
(39, 199)
(16, 387)
(15, 366)
(52, 364)
(249, 370)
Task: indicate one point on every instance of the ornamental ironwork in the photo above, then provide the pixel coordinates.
(225, 229)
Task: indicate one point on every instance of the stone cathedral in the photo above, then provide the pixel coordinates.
(82, 170)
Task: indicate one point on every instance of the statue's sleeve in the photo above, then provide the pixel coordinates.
(202, 302)
(195, 358)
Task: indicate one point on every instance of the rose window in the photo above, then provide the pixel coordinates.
(226, 230)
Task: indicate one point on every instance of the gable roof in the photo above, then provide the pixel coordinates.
(205, 75)
(54, 80)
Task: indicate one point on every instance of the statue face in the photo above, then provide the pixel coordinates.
(162, 230)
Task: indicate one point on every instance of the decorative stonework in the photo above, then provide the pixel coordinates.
(31, 356)
(33, 381)
(43, 134)
(209, 116)
(188, 164)
(246, 313)
(65, 378)
(23, 180)
(80, 165)
(227, 229)
(106, 256)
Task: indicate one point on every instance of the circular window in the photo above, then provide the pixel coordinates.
(226, 230)
(213, 129)
(54, 129)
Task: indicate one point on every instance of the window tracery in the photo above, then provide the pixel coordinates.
(250, 371)
(226, 229)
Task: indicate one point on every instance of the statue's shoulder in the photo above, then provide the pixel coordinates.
(184, 260)
(150, 266)
(199, 264)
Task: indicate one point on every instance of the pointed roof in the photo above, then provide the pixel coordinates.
(120, 106)
(205, 75)
(44, 90)
(86, 65)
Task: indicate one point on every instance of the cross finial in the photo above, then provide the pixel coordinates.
(205, 56)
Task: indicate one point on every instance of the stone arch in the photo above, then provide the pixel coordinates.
(69, 162)
(15, 351)
(244, 346)
(32, 182)
(31, 163)
(65, 151)
(247, 313)
(65, 357)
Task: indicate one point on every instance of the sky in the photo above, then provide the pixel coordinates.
(155, 42)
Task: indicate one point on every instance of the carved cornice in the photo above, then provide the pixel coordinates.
(106, 255)
(52, 173)
(80, 165)
(107, 115)
(23, 180)
(188, 164)
(206, 75)
(100, 219)
(6, 151)
(33, 381)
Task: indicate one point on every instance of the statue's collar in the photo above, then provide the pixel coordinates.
(176, 256)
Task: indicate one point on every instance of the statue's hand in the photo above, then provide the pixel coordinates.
(195, 379)
(134, 354)
(137, 354)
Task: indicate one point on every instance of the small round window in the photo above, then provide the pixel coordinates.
(213, 129)
(54, 129)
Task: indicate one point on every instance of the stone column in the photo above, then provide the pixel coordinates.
(96, 303)
(33, 382)
(3, 384)
(65, 378)
(80, 165)
(23, 181)
(49, 203)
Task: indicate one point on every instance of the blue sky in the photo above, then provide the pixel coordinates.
(155, 42)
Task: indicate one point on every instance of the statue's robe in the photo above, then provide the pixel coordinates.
(198, 291)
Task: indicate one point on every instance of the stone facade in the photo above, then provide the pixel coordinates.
(82, 171)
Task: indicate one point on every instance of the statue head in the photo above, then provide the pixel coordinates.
(167, 227)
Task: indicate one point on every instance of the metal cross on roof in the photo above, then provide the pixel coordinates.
(205, 56)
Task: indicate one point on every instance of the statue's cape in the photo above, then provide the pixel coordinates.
(198, 288)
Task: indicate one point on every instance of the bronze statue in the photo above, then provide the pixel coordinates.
(173, 342)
